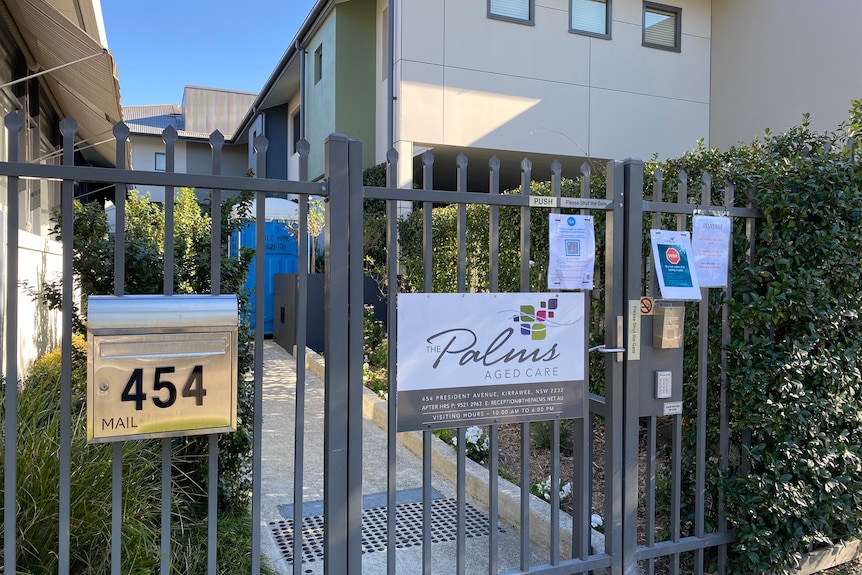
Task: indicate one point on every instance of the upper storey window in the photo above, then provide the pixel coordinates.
(591, 17)
(515, 10)
(662, 26)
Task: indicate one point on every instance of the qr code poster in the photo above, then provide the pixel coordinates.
(572, 252)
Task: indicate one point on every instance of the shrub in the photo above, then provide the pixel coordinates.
(542, 489)
(793, 376)
(38, 474)
(93, 265)
(541, 431)
(477, 443)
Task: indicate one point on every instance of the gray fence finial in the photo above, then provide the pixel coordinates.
(556, 168)
(428, 159)
(392, 156)
(13, 121)
(494, 164)
(121, 131)
(216, 139)
(303, 148)
(392, 168)
(526, 165)
(261, 144)
(586, 169)
(461, 161)
(68, 126)
(169, 135)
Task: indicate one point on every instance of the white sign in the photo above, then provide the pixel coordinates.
(710, 243)
(672, 408)
(473, 359)
(672, 254)
(572, 251)
(634, 330)
(543, 201)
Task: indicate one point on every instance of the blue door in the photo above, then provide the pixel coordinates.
(281, 258)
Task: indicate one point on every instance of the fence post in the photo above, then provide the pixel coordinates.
(336, 403)
(614, 315)
(355, 236)
(10, 486)
(633, 254)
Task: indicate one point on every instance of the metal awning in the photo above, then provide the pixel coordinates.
(88, 91)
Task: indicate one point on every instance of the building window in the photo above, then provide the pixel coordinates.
(296, 127)
(318, 64)
(662, 26)
(591, 17)
(514, 10)
(160, 161)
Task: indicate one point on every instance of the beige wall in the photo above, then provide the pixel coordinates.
(542, 89)
(144, 150)
(774, 60)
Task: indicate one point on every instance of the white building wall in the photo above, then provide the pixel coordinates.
(381, 110)
(542, 89)
(39, 329)
(774, 60)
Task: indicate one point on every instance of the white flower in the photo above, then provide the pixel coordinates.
(596, 521)
(473, 434)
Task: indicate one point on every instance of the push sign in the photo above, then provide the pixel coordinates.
(160, 366)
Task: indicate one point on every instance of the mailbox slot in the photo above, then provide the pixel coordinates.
(667, 327)
(161, 366)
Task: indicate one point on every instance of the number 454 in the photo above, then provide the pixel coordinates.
(134, 390)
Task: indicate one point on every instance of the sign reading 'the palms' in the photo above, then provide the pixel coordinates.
(466, 359)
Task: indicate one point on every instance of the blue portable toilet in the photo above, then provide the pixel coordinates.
(280, 250)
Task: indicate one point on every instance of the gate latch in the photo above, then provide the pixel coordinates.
(603, 349)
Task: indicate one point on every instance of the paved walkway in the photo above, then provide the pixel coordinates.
(277, 483)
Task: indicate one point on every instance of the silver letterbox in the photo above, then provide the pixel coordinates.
(160, 366)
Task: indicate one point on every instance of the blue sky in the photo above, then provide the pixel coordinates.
(160, 46)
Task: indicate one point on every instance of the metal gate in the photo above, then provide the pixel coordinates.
(642, 529)
(681, 528)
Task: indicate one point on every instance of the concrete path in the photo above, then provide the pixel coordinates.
(277, 483)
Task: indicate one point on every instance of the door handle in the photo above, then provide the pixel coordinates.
(603, 349)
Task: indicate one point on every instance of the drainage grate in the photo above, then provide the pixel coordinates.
(408, 517)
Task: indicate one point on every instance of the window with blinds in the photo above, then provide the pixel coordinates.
(662, 26)
(521, 10)
(591, 17)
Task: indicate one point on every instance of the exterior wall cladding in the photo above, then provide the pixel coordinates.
(462, 79)
(608, 98)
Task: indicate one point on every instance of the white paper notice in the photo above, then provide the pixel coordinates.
(672, 253)
(710, 242)
(572, 251)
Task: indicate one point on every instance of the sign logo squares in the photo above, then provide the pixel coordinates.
(534, 322)
(489, 358)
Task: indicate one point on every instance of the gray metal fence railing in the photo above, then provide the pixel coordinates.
(120, 178)
(642, 514)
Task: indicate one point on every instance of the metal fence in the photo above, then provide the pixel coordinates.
(641, 527)
(645, 481)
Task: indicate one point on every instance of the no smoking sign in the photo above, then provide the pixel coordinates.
(647, 306)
